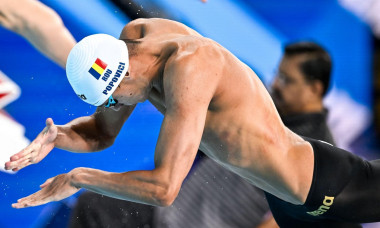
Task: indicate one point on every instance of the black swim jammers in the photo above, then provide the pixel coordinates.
(345, 190)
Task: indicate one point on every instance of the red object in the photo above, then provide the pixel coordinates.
(3, 95)
(101, 63)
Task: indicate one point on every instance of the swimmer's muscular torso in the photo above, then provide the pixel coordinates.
(243, 131)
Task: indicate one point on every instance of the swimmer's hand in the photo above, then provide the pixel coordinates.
(37, 150)
(54, 189)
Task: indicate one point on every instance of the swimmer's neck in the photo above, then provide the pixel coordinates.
(144, 74)
(142, 65)
(150, 65)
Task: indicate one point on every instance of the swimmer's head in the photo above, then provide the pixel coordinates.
(96, 66)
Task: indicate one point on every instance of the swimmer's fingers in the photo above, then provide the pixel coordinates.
(29, 153)
(21, 164)
(26, 152)
(49, 134)
(49, 122)
(37, 150)
(31, 200)
(38, 198)
(18, 159)
(54, 189)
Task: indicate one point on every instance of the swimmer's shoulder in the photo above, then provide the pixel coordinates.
(142, 27)
(191, 58)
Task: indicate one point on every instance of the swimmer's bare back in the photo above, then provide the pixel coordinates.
(243, 131)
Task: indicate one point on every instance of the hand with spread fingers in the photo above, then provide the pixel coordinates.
(54, 189)
(37, 150)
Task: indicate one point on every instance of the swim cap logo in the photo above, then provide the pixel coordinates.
(97, 68)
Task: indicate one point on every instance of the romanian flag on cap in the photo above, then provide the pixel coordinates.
(97, 68)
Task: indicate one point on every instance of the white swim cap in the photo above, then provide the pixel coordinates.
(95, 67)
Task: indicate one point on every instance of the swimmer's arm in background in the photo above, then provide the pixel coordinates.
(186, 108)
(84, 134)
(40, 25)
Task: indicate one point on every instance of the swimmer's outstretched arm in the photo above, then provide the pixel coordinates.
(84, 134)
(187, 100)
(40, 25)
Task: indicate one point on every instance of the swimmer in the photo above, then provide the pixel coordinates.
(210, 100)
(43, 28)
